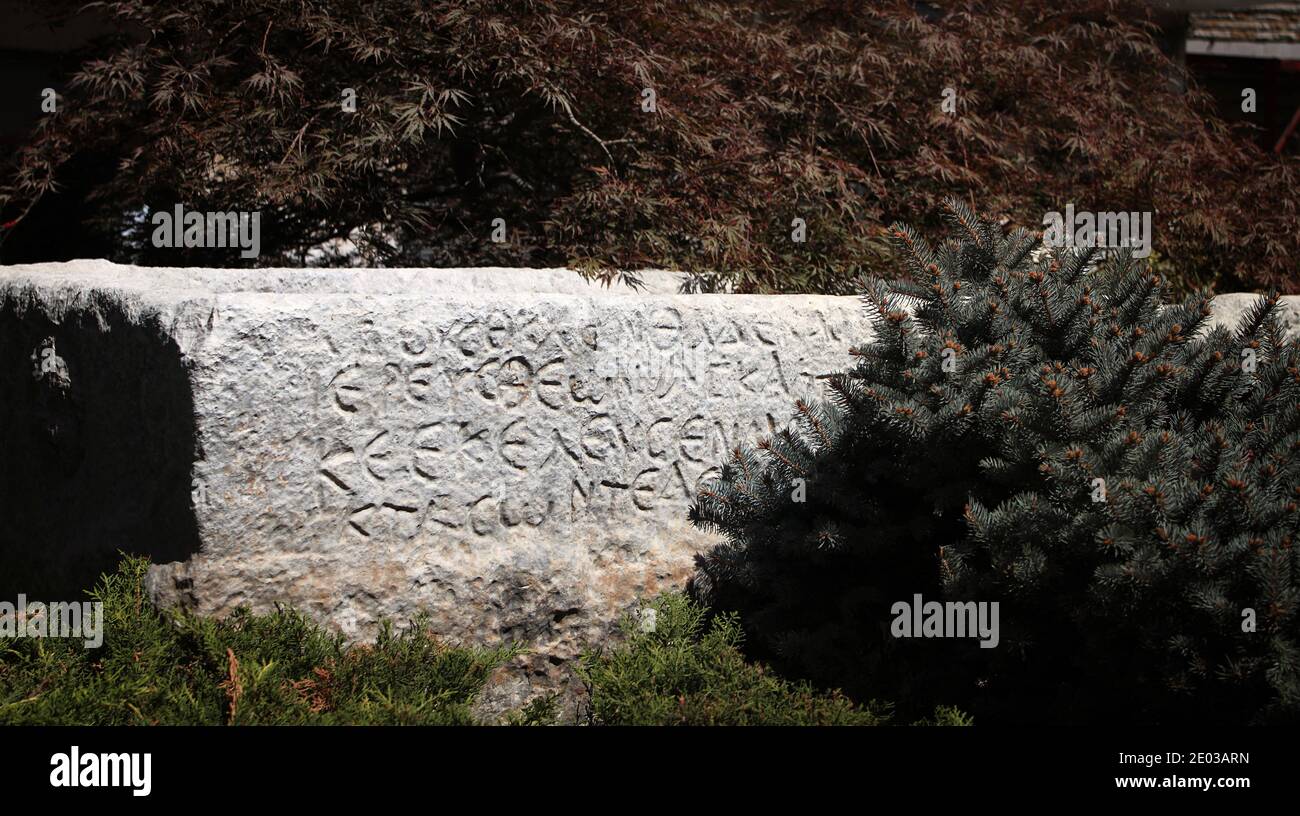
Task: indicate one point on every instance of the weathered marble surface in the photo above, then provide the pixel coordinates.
(514, 460)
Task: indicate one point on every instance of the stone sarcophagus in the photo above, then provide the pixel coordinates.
(511, 451)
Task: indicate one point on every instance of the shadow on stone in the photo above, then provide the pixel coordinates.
(97, 443)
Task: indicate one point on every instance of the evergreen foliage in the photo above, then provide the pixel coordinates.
(172, 668)
(689, 670)
(277, 669)
(958, 459)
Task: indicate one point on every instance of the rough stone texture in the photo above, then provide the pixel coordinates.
(163, 282)
(1230, 308)
(511, 451)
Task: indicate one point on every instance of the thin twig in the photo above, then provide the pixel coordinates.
(297, 140)
(603, 144)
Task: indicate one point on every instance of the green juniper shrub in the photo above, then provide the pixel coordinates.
(947, 716)
(280, 668)
(1119, 477)
(541, 710)
(688, 669)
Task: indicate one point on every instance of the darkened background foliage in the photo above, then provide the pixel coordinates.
(768, 110)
